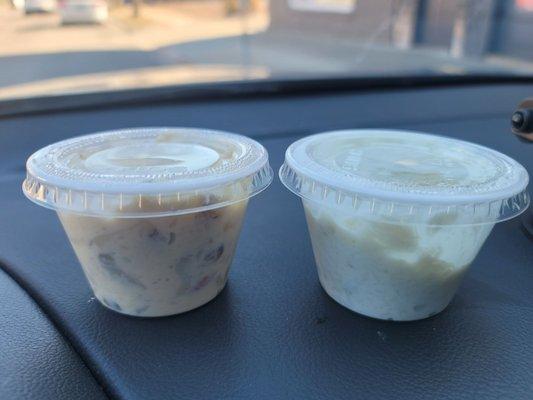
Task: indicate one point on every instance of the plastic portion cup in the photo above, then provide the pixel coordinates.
(396, 218)
(153, 214)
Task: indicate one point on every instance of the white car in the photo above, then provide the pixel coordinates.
(83, 11)
(35, 6)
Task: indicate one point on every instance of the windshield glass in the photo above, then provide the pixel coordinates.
(53, 47)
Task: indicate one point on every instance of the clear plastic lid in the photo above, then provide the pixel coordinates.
(147, 172)
(406, 176)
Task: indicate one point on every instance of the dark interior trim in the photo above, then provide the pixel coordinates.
(38, 300)
(238, 90)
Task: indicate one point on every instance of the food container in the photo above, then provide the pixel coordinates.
(153, 214)
(396, 218)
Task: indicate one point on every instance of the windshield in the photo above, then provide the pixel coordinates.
(50, 47)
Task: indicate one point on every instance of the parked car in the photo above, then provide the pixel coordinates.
(83, 11)
(37, 6)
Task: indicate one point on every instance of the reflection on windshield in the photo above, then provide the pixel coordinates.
(68, 46)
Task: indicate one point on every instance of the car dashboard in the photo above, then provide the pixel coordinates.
(272, 333)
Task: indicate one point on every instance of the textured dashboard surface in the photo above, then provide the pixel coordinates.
(273, 333)
(35, 360)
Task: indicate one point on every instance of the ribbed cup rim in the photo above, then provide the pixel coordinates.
(147, 172)
(503, 198)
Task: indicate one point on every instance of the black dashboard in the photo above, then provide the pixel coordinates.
(272, 333)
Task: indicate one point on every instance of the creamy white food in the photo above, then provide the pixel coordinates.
(396, 218)
(390, 270)
(156, 266)
(153, 214)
